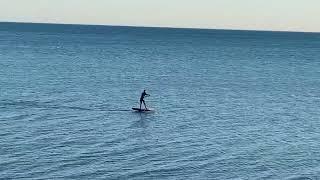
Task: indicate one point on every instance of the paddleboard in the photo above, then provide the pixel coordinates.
(142, 110)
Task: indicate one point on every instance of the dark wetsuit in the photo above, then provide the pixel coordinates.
(142, 99)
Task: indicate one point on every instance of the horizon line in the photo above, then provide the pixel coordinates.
(164, 27)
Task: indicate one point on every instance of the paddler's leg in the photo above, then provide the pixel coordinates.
(145, 105)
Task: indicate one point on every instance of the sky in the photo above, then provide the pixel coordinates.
(276, 15)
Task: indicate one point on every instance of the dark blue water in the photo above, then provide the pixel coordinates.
(228, 104)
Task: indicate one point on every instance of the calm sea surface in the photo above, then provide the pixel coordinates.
(228, 104)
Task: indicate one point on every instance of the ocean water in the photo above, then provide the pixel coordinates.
(228, 104)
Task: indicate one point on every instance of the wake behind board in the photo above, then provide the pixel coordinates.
(142, 110)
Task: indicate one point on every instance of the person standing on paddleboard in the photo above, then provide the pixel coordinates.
(143, 95)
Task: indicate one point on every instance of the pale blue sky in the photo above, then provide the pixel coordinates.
(288, 15)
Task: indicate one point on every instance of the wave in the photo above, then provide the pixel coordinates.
(24, 104)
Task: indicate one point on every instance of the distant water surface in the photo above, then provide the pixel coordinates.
(228, 104)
